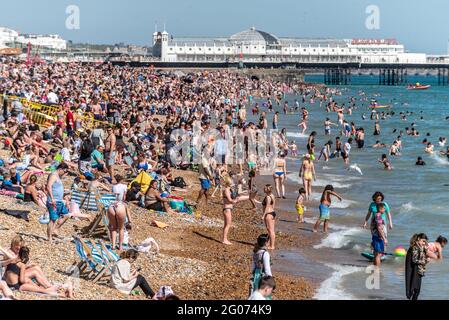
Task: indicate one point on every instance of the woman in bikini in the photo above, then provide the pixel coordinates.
(435, 249)
(230, 199)
(280, 175)
(118, 212)
(269, 215)
(17, 278)
(307, 173)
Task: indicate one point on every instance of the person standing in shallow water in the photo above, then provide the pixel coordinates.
(415, 265)
(279, 175)
(307, 173)
(326, 202)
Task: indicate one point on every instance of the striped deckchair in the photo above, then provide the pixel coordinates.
(91, 262)
(96, 259)
(87, 200)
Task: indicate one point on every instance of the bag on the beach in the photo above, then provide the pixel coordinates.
(179, 183)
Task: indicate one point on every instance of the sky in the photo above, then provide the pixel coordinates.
(421, 25)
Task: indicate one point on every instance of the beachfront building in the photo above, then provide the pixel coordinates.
(7, 36)
(12, 39)
(51, 41)
(253, 45)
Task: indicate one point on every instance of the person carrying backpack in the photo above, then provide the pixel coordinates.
(261, 262)
(86, 150)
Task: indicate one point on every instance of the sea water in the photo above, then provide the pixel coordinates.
(417, 195)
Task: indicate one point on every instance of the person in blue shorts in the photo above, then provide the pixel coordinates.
(57, 210)
(206, 178)
(378, 232)
(325, 205)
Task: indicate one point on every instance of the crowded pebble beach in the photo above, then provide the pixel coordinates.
(135, 183)
(52, 113)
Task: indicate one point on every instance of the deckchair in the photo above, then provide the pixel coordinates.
(108, 258)
(88, 200)
(92, 264)
(95, 228)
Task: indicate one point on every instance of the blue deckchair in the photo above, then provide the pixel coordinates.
(93, 265)
(87, 200)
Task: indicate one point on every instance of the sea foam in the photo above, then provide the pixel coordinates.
(331, 288)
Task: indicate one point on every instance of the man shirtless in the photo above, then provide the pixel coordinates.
(110, 152)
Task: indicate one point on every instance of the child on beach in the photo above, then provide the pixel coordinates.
(379, 234)
(300, 205)
(294, 148)
(326, 202)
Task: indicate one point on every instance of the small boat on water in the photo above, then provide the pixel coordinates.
(418, 86)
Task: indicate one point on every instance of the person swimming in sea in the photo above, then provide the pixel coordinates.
(384, 160)
(379, 145)
(420, 162)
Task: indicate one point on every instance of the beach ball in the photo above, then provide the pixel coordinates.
(399, 251)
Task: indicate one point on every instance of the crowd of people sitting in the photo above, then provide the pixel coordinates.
(110, 125)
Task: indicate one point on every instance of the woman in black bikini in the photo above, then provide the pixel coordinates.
(18, 279)
(269, 215)
(230, 199)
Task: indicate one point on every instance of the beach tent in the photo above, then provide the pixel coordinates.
(144, 179)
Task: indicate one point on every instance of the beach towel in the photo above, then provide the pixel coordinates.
(20, 214)
(87, 201)
(11, 194)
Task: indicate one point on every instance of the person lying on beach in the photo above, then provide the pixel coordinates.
(435, 249)
(19, 278)
(74, 209)
(326, 202)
